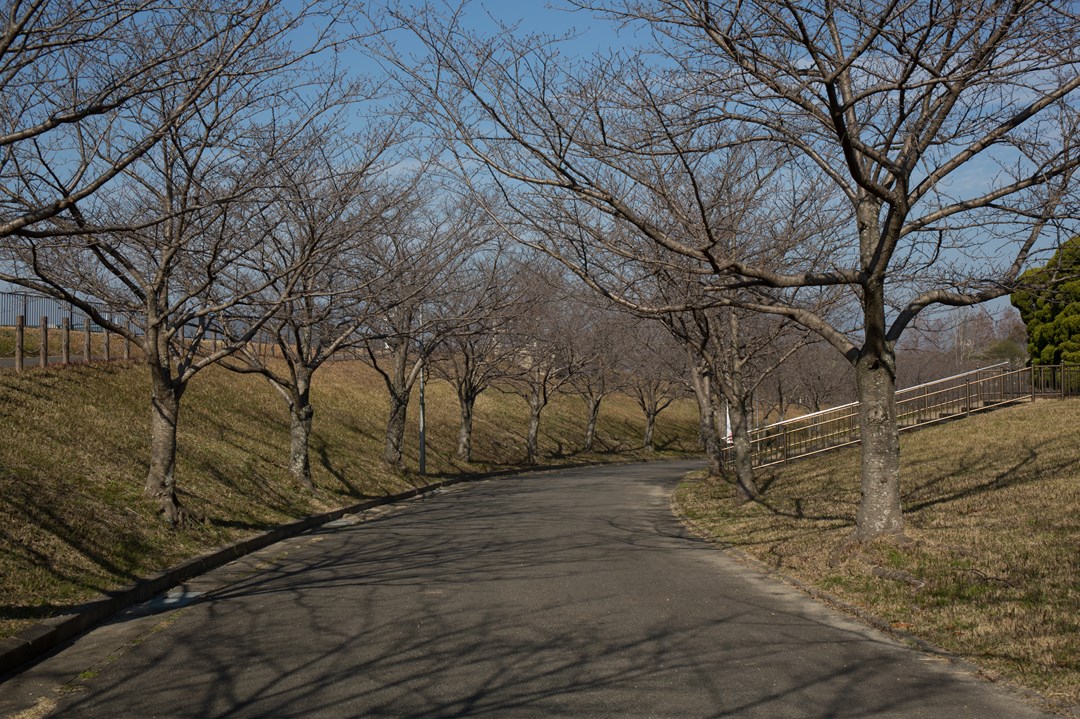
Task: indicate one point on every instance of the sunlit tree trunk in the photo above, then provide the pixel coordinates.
(165, 394)
(592, 406)
(879, 512)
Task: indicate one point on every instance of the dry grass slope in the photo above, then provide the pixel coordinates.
(73, 454)
(993, 506)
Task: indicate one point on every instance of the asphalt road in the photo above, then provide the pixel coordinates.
(565, 594)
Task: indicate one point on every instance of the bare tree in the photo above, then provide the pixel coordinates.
(478, 352)
(176, 238)
(337, 205)
(705, 393)
(732, 353)
(602, 335)
(75, 77)
(413, 317)
(546, 357)
(819, 377)
(655, 369)
(947, 132)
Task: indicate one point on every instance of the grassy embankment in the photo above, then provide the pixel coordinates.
(73, 455)
(992, 505)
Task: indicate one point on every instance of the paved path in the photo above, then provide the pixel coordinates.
(566, 594)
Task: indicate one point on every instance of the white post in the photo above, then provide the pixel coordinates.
(728, 437)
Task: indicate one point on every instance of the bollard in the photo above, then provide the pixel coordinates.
(20, 324)
(43, 343)
(65, 341)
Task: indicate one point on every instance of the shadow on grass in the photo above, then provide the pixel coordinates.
(1020, 472)
(939, 489)
(112, 555)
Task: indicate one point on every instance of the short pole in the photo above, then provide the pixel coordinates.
(423, 443)
(43, 343)
(65, 341)
(20, 331)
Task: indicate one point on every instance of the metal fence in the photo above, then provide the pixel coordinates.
(33, 308)
(57, 332)
(942, 400)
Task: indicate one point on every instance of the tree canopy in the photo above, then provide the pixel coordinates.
(1049, 304)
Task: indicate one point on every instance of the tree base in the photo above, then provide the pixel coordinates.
(843, 551)
(176, 514)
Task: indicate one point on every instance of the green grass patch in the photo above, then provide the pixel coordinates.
(75, 445)
(993, 506)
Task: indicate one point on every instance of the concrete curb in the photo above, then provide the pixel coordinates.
(35, 641)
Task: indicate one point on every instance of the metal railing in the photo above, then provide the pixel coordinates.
(925, 404)
(34, 308)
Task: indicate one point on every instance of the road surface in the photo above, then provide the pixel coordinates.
(560, 594)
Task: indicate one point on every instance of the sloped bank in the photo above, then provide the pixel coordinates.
(992, 505)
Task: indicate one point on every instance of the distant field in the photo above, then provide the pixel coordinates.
(992, 505)
(73, 456)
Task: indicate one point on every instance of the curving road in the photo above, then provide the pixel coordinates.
(563, 594)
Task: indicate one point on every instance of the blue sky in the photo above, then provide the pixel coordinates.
(554, 18)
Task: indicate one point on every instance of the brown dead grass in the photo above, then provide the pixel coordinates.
(74, 446)
(993, 506)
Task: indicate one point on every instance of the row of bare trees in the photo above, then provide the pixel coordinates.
(200, 170)
(757, 183)
(841, 167)
(197, 167)
(141, 140)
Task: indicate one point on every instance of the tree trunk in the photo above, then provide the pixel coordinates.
(301, 413)
(165, 394)
(746, 487)
(710, 439)
(464, 444)
(650, 425)
(532, 440)
(879, 509)
(593, 406)
(395, 429)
